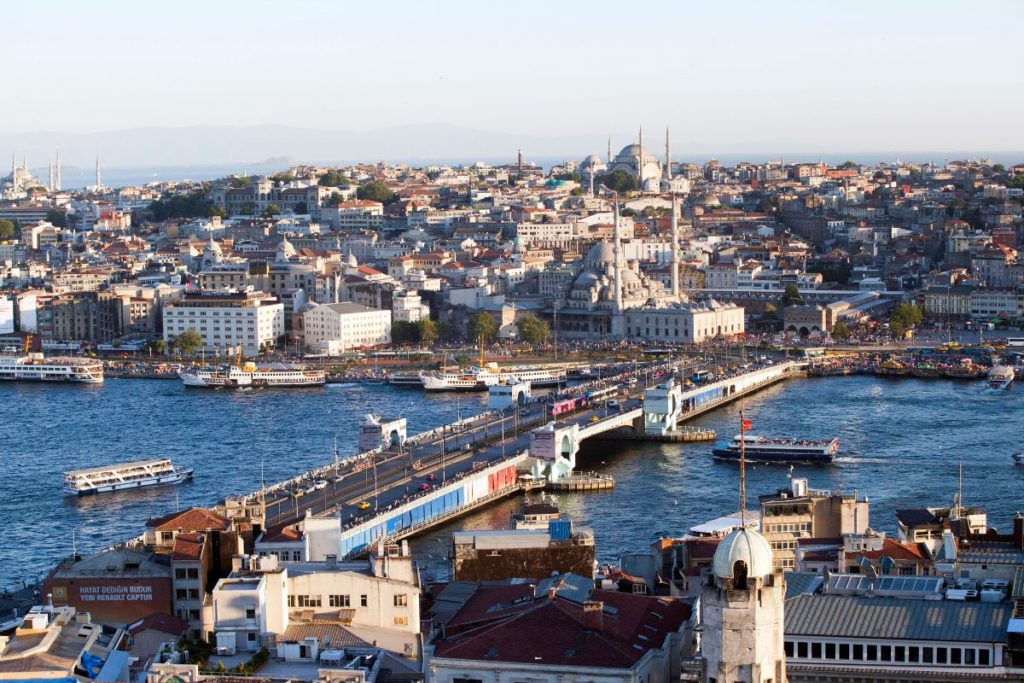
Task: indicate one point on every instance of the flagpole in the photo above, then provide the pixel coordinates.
(743, 472)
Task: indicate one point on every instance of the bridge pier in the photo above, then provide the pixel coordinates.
(554, 448)
(381, 433)
(662, 409)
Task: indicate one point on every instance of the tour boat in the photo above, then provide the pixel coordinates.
(129, 475)
(481, 378)
(251, 375)
(764, 449)
(405, 379)
(34, 367)
(1001, 376)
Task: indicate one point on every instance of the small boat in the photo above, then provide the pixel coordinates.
(1001, 376)
(129, 475)
(1018, 458)
(765, 449)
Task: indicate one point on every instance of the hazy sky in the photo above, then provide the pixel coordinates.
(858, 76)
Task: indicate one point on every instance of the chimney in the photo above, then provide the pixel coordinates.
(1018, 531)
(236, 563)
(553, 592)
(593, 615)
(332, 561)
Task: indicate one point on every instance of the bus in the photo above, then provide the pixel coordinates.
(1015, 342)
(700, 376)
(812, 352)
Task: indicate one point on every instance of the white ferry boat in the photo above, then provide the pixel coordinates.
(34, 367)
(405, 379)
(130, 475)
(251, 375)
(1001, 376)
(764, 449)
(481, 378)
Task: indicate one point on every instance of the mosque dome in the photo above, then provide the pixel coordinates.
(212, 247)
(351, 261)
(602, 252)
(631, 152)
(708, 199)
(285, 250)
(743, 545)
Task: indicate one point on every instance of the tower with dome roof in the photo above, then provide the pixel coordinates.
(742, 604)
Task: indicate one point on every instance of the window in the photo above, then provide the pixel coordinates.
(983, 657)
(179, 573)
(401, 600)
(307, 600)
(789, 648)
(913, 654)
(801, 650)
(166, 536)
(886, 653)
(363, 601)
(858, 651)
(954, 655)
(830, 650)
(926, 655)
(844, 650)
(250, 613)
(193, 573)
(940, 655)
(180, 594)
(401, 621)
(969, 656)
(815, 650)
(251, 636)
(338, 601)
(900, 653)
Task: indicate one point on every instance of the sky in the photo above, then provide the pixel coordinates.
(908, 75)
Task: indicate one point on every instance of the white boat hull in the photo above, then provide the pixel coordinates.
(175, 478)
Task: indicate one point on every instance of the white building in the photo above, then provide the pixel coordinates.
(408, 307)
(297, 606)
(225, 320)
(337, 328)
(690, 323)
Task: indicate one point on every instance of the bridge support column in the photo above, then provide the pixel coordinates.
(554, 448)
(662, 408)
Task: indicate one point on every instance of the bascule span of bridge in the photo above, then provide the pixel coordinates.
(407, 487)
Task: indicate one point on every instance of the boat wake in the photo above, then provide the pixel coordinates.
(867, 461)
(345, 385)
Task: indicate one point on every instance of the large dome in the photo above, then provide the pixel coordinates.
(744, 545)
(601, 252)
(631, 152)
(592, 161)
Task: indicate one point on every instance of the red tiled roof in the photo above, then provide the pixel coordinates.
(188, 547)
(158, 621)
(553, 633)
(907, 552)
(193, 519)
(281, 532)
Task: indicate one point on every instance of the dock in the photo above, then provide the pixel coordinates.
(582, 481)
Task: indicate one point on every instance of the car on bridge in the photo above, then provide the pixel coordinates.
(425, 487)
(614, 405)
(365, 505)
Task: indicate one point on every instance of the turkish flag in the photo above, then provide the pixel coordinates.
(745, 425)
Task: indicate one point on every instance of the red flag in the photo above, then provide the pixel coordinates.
(745, 425)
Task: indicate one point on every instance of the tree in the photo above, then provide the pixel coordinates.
(429, 331)
(192, 205)
(218, 211)
(240, 181)
(576, 192)
(334, 178)
(156, 346)
(999, 168)
(188, 342)
(791, 296)
(376, 191)
(58, 217)
(848, 164)
(618, 181)
(301, 207)
(840, 331)
(770, 310)
(904, 319)
(6, 229)
(627, 213)
(533, 330)
(482, 326)
(271, 211)
(1017, 181)
(404, 332)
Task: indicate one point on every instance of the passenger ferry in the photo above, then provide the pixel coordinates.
(1001, 376)
(130, 475)
(405, 379)
(764, 449)
(34, 367)
(251, 375)
(481, 378)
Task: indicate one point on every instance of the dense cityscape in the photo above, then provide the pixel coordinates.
(634, 414)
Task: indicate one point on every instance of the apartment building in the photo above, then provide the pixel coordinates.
(337, 328)
(226, 320)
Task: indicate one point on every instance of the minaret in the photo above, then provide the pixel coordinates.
(592, 174)
(24, 161)
(675, 248)
(98, 184)
(519, 163)
(640, 160)
(617, 321)
(58, 171)
(609, 149)
(14, 173)
(668, 157)
(49, 185)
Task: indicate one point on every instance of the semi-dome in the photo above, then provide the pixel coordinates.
(743, 545)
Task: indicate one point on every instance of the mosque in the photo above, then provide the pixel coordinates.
(651, 175)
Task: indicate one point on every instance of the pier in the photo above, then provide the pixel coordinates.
(407, 485)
